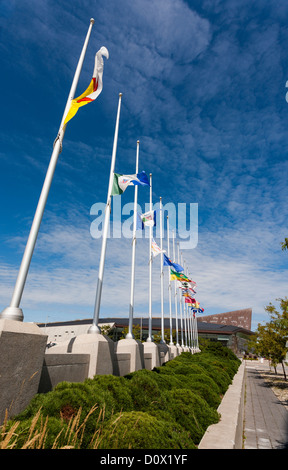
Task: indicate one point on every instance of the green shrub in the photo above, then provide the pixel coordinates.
(206, 392)
(169, 407)
(145, 391)
(191, 411)
(138, 430)
(118, 387)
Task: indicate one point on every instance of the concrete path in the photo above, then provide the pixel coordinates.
(265, 417)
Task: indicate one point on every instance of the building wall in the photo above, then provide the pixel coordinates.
(241, 318)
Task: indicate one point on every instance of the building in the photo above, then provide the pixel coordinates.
(241, 318)
(233, 335)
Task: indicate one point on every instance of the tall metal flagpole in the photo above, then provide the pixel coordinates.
(169, 286)
(13, 312)
(175, 293)
(180, 305)
(187, 312)
(131, 307)
(149, 339)
(192, 325)
(94, 328)
(161, 273)
(184, 311)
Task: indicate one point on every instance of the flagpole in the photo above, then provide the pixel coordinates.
(180, 305)
(162, 273)
(131, 307)
(187, 313)
(94, 328)
(175, 292)
(169, 285)
(13, 312)
(192, 326)
(149, 339)
(184, 311)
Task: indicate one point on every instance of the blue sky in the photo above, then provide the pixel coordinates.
(204, 85)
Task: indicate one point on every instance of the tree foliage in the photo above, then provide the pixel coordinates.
(270, 338)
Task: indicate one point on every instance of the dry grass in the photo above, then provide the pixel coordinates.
(38, 432)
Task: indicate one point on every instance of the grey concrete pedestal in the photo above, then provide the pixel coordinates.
(22, 350)
(100, 348)
(136, 351)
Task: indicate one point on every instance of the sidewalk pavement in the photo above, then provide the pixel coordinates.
(265, 417)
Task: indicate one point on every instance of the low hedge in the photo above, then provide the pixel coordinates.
(169, 407)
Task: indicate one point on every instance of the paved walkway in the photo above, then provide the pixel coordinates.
(265, 417)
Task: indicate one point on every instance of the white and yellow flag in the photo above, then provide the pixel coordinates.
(94, 89)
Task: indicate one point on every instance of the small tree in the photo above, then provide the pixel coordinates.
(284, 244)
(270, 338)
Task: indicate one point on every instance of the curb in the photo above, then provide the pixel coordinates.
(228, 433)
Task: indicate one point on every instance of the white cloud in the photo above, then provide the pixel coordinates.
(233, 270)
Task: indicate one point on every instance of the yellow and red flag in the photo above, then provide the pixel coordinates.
(95, 87)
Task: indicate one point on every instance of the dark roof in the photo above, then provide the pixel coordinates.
(203, 327)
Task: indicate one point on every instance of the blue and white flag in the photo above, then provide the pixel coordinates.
(167, 262)
(120, 182)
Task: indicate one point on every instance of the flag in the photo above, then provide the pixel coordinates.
(189, 300)
(156, 249)
(95, 87)
(167, 262)
(120, 182)
(175, 276)
(187, 285)
(148, 219)
(196, 310)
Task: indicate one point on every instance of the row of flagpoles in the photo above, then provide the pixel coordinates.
(117, 185)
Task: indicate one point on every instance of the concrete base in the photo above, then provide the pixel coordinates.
(136, 351)
(100, 348)
(63, 367)
(173, 351)
(22, 350)
(164, 353)
(151, 348)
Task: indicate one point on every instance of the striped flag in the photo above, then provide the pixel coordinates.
(95, 87)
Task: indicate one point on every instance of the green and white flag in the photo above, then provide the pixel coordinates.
(120, 182)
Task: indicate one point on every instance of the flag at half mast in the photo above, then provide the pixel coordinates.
(95, 87)
(167, 262)
(121, 182)
(175, 276)
(155, 248)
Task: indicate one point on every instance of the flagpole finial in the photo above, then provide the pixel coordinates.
(160, 198)
(138, 141)
(120, 94)
(92, 20)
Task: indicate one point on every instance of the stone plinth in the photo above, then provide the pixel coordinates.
(22, 350)
(152, 348)
(135, 349)
(100, 348)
